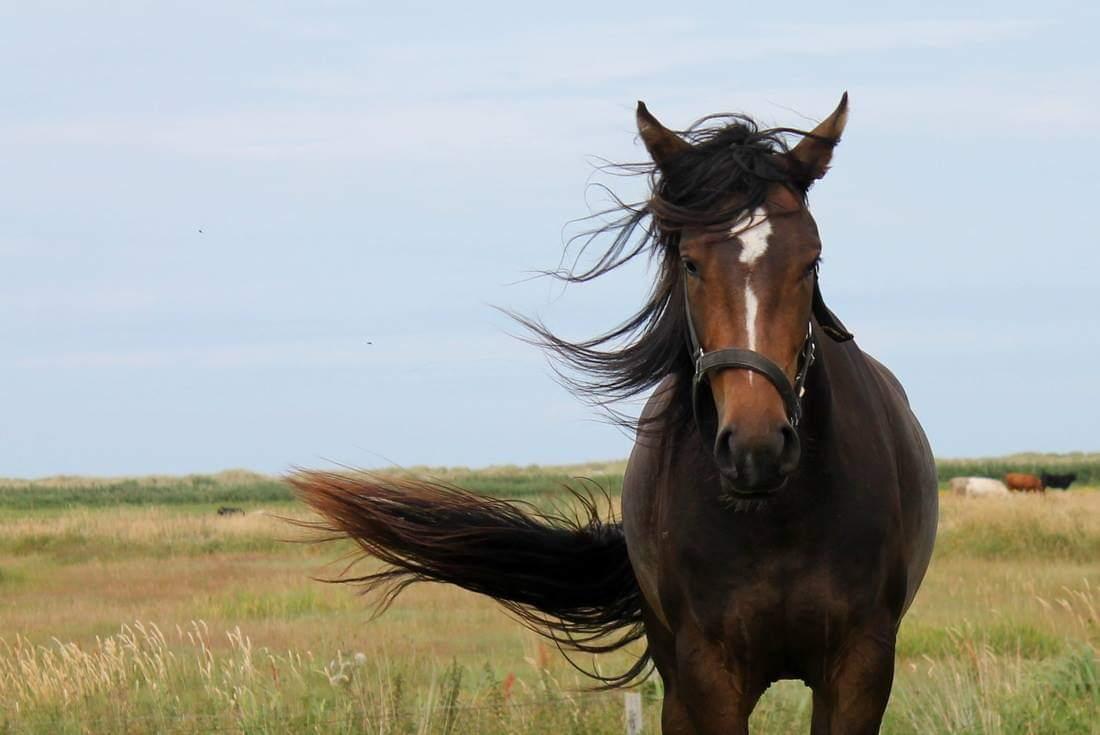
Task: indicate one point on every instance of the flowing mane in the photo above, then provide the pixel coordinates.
(728, 154)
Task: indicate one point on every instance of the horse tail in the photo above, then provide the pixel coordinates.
(567, 578)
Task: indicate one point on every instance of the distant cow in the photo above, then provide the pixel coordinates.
(1062, 482)
(977, 487)
(225, 510)
(1023, 482)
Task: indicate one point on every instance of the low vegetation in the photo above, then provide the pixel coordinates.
(52, 493)
(1086, 465)
(240, 487)
(236, 487)
(159, 616)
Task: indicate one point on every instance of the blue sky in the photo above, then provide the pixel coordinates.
(369, 182)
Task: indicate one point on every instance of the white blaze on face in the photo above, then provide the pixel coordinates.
(753, 233)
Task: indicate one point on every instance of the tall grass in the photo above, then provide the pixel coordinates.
(982, 693)
(142, 680)
(1021, 527)
(1085, 464)
(1003, 636)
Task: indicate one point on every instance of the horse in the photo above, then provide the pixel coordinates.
(779, 507)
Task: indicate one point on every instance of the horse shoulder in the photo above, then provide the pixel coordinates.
(918, 485)
(887, 377)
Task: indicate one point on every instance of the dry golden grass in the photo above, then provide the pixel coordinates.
(1009, 606)
(143, 525)
(225, 477)
(1053, 510)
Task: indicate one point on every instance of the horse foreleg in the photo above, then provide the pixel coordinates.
(662, 648)
(819, 721)
(717, 693)
(674, 715)
(853, 700)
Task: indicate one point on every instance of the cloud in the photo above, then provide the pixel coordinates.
(534, 94)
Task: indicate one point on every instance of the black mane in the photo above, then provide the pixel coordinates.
(729, 155)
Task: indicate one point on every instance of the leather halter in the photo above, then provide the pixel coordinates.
(740, 358)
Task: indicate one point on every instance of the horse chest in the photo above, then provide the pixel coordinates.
(766, 585)
(770, 617)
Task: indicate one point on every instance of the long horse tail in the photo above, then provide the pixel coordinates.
(567, 578)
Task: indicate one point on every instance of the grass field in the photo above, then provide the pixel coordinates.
(130, 606)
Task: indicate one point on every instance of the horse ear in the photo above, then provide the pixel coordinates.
(812, 155)
(663, 144)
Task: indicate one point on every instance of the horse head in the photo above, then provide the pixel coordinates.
(733, 205)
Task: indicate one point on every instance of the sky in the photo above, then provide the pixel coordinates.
(267, 235)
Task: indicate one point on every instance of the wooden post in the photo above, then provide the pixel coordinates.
(632, 702)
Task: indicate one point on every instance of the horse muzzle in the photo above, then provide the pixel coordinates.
(757, 465)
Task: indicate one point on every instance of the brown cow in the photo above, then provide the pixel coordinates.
(1023, 482)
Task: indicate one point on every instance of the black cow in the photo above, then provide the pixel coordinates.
(1062, 482)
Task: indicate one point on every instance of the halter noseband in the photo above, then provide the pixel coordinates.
(737, 357)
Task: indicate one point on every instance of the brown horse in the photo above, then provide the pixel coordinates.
(780, 504)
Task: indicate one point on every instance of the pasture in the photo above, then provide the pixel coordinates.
(131, 606)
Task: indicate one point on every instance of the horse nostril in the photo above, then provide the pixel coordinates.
(724, 451)
(789, 450)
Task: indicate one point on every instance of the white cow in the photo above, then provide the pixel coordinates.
(978, 487)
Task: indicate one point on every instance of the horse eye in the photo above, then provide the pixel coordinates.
(691, 268)
(813, 268)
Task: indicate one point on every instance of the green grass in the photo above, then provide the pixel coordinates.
(1085, 464)
(983, 694)
(11, 576)
(241, 488)
(285, 605)
(1000, 637)
(247, 489)
(196, 490)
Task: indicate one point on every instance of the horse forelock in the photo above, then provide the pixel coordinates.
(725, 174)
